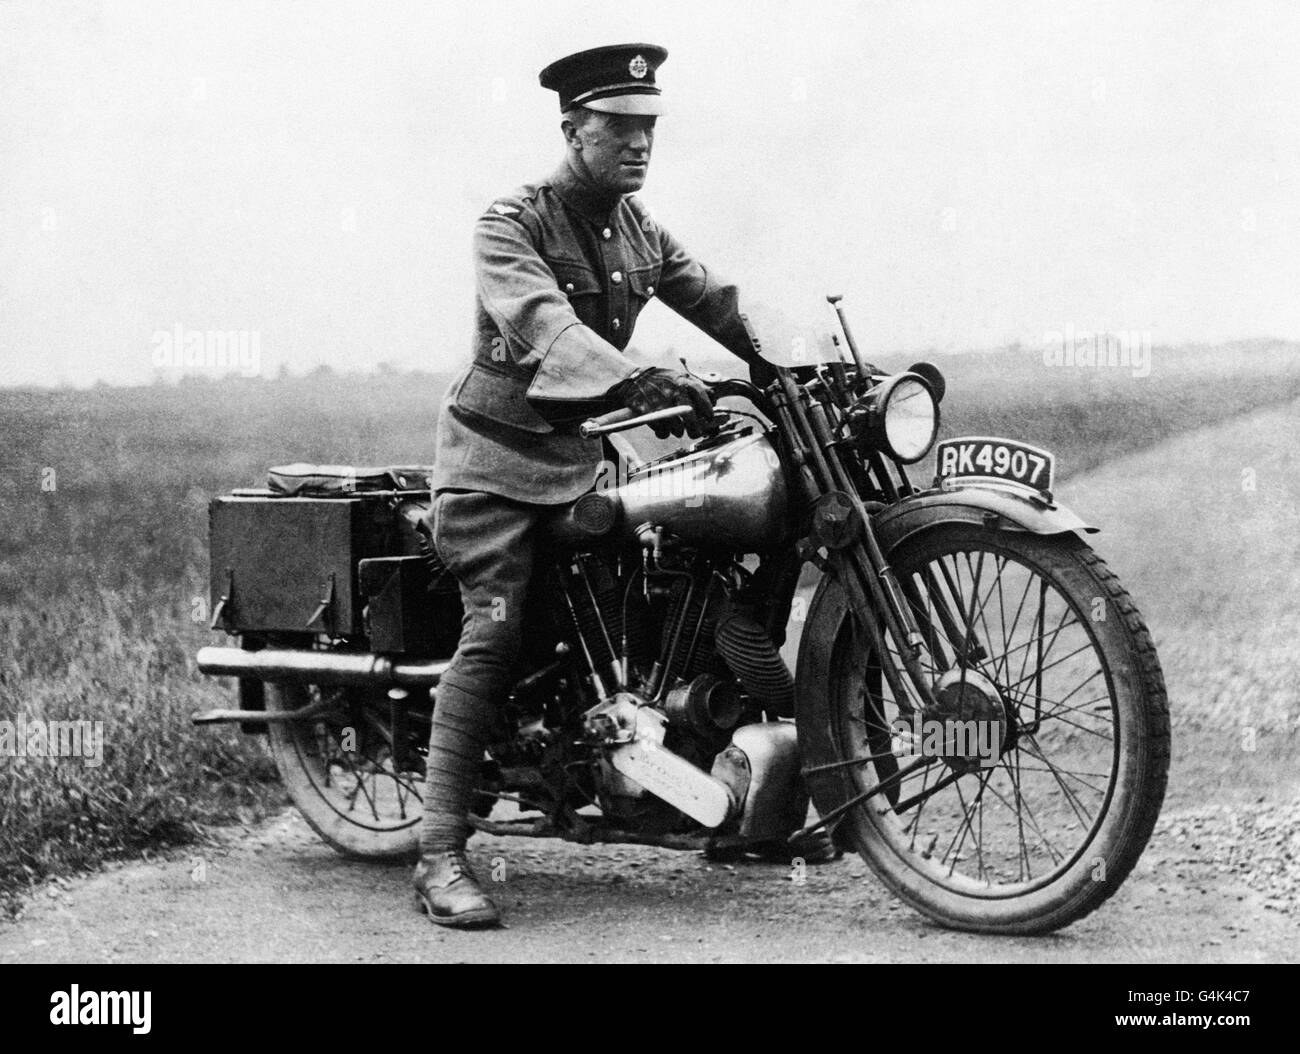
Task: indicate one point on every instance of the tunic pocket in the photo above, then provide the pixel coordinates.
(643, 282)
(641, 285)
(579, 283)
(500, 398)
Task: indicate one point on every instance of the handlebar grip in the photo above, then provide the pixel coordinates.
(619, 420)
(595, 425)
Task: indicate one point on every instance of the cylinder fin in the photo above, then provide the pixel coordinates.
(757, 664)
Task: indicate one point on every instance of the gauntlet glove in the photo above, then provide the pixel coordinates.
(654, 388)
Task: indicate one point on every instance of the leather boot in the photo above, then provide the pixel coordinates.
(816, 848)
(448, 890)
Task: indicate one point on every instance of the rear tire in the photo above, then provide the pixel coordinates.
(356, 799)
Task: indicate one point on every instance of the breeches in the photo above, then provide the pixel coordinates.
(489, 543)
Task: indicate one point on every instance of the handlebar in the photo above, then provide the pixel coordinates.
(623, 419)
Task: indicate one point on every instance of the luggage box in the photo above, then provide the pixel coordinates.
(289, 564)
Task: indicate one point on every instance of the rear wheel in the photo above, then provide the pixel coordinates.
(1025, 799)
(356, 781)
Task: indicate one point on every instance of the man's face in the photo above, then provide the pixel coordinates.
(615, 148)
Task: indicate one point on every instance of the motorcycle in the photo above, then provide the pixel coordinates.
(977, 708)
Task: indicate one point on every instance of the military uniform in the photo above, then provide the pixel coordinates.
(563, 269)
(562, 276)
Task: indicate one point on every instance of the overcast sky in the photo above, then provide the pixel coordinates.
(968, 174)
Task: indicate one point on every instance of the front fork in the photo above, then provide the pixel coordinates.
(861, 565)
(873, 589)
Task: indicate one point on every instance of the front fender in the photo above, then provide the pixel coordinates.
(999, 507)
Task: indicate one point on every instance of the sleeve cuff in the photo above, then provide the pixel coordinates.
(579, 367)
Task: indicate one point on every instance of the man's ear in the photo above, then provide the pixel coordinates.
(570, 130)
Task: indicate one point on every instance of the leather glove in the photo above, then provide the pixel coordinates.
(654, 388)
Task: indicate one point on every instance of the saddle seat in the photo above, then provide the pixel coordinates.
(303, 480)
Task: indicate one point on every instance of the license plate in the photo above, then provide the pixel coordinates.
(985, 457)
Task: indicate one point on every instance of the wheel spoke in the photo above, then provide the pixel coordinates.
(1059, 704)
(1024, 647)
(916, 820)
(994, 587)
(1024, 815)
(364, 784)
(1077, 776)
(831, 766)
(1015, 622)
(1081, 728)
(1040, 618)
(968, 812)
(1023, 850)
(1070, 796)
(1052, 665)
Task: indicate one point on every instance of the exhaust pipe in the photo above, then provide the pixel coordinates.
(364, 669)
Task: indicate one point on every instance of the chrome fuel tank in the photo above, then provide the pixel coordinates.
(731, 495)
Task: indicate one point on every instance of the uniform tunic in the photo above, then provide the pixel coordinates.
(562, 273)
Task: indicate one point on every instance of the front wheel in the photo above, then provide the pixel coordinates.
(1024, 797)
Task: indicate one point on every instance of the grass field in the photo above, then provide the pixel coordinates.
(103, 555)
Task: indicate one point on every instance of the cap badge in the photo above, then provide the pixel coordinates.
(637, 67)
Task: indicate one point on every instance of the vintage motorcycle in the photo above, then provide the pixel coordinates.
(977, 707)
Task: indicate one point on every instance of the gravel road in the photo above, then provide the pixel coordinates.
(277, 894)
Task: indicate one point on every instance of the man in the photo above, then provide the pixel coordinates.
(564, 266)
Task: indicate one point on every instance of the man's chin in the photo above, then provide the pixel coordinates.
(630, 179)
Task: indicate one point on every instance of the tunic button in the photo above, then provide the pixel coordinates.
(617, 277)
(568, 287)
(607, 234)
(616, 323)
(649, 290)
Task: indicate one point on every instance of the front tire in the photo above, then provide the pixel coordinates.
(1057, 666)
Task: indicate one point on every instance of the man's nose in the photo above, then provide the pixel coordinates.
(639, 140)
